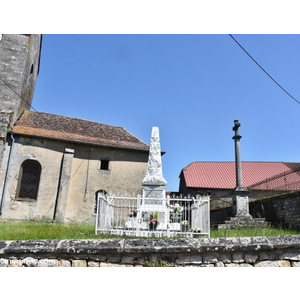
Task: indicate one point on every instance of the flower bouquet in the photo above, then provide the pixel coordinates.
(153, 221)
(176, 209)
(175, 212)
(184, 226)
(132, 214)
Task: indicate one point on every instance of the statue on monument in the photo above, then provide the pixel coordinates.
(154, 170)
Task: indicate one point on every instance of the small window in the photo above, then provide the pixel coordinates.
(104, 164)
(29, 180)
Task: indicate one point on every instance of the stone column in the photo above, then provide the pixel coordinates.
(238, 164)
(64, 184)
(240, 199)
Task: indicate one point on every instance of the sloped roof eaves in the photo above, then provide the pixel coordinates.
(77, 141)
(76, 130)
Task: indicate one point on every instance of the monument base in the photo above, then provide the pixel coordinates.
(245, 221)
(241, 202)
(154, 191)
(240, 210)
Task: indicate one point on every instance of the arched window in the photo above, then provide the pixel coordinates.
(29, 180)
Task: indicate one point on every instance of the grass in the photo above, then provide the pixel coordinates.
(42, 230)
(248, 232)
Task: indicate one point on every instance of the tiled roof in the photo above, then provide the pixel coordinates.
(222, 174)
(77, 130)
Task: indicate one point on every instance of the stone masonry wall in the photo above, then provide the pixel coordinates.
(280, 251)
(283, 210)
(19, 68)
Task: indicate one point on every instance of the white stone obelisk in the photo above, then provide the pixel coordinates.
(154, 184)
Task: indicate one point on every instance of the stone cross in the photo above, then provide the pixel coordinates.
(236, 129)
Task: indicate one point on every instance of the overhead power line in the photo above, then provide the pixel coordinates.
(31, 107)
(264, 69)
(18, 95)
(41, 115)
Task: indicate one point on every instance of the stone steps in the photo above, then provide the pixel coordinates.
(240, 222)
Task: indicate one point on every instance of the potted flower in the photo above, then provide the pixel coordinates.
(196, 231)
(184, 225)
(175, 212)
(153, 221)
(132, 214)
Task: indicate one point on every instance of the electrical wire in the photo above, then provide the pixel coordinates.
(42, 115)
(31, 107)
(18, 94)
(264, 69)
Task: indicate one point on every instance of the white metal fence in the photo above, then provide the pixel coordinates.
(142, 217)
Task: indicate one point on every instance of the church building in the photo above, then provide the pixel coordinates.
(52, 167)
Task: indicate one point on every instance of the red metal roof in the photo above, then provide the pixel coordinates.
(222, 174)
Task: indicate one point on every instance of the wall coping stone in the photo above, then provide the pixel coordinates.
(92, 248)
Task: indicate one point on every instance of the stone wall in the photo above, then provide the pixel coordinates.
(19, 68)
(280, 251)
(283, 210)
(82, 178)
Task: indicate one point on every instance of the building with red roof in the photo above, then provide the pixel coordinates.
(218, 179)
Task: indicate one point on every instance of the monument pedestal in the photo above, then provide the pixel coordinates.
(241, 202)
(154, 191)
(244, 221)
(154, 200)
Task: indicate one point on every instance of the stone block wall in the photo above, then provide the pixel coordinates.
(280, 251)
(128, 168)
(19, 68)
(283, 210)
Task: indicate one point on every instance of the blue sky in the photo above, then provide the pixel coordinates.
(200, 83)
(191, 86)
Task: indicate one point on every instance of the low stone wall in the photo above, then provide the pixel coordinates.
(283, 210)
(280, 251)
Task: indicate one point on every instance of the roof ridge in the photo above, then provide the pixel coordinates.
(52, 114)
(75, 129)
